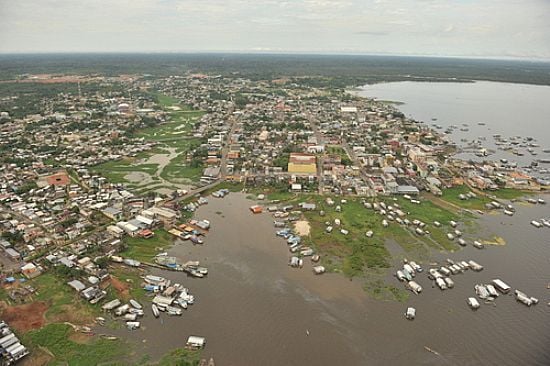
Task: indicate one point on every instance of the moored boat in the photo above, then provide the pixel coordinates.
(473, 303)
(155, 310)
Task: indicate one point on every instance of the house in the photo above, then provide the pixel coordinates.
(410, 190)
(13, 254)
(76, 285)
(308, 206)
(29, 270)
(112, 213)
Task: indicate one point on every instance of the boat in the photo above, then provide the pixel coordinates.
(521, 297)
(501, 286)
(536, 223)
(449, 282)
(435, 273)
(475, 266)
(450, 236)
(415, 287)
(155, 310)
(474, 304)
(492, 290)
(318, 270)
(462, 242)
(509, 213)
(541, 201)
(171, 310)
(136, 304)
(400, 276)
(441, 283)
(410, 314)
(131, 325)
(478, 245)
(481, 291)
(409, 269)
(415, 266)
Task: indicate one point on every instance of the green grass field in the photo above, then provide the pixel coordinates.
(116, 170)
(145, 249)
(56, 339)
(64, 303)
(452, 195)
(354, 253)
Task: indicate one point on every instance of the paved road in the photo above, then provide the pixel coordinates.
(320, 141)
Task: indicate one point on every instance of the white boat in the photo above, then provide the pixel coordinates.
(481, 291)
(136, 304)
(449, 282)
(462, 242)
(501, 286)
(319, 270)
(409, 269)
(536, 223)
(435, 273)
(400, 276)
(441, 283)
(521, 297)
(478, 245)
(130, 317)
(155, 310)
(475, 266)
(541, 201)
(450, 236)
(407, 275)
(509, 213)
(171, 310)
(492, 290)
(410, 314)
(474, 304)
(132, 325)
(415, 287)
(415, 266)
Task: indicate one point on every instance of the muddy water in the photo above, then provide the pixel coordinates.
(255, 310)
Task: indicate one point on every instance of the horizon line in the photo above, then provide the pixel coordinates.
(274, 52)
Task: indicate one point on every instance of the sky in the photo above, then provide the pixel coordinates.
(468, 28)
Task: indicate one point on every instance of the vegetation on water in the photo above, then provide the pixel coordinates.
(475, 203)
(180, 357)
(145, 249)
(116, 170)
(56, 339)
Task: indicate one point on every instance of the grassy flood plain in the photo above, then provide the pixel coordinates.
(174, 134)
(356, 255)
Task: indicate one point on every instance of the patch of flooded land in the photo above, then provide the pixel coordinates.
(255, 309)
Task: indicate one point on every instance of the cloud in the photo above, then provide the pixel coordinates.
(423, 27)
(372, 33)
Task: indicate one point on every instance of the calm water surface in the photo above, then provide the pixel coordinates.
(255, 310)
(506, 109)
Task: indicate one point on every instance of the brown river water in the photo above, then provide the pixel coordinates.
(254, 309)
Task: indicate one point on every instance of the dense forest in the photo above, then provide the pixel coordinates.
(339, 69)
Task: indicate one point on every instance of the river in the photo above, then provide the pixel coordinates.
(504, 108)
(256, 310)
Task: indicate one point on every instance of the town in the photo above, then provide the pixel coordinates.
(99, 179)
